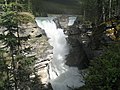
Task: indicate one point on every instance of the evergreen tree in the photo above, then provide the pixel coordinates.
(18, 67)
(104, 71)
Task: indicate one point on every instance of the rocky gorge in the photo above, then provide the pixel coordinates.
(59, 45)
(79, 43)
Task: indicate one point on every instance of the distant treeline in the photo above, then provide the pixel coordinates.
(93, 10)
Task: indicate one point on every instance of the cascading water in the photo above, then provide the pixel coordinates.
(61, 76)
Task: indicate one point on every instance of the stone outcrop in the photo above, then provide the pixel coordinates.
(78, 40)
(62, 21)
(79, 51)
(30, 29)
(42, 50)
(37, 42)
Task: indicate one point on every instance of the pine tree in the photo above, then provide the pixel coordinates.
(18, 66)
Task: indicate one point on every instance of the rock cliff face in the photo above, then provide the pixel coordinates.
(37, 42)
(77, 37)
(62, 21)
(42, 50)
(78, 41)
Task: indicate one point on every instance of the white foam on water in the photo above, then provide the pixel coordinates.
(71, 21)
(61, 76)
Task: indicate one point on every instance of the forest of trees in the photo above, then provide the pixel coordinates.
(16, 68)
(94, 10)
(101, 10)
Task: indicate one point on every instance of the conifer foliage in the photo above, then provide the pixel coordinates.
(15, 66)
(104, 71)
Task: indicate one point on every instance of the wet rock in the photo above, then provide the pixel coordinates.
(78, 40)
(44, 53)
(56, 20)
(62, 21)
(30, 29)
(36, 41)
(80, 52)
(77, 56)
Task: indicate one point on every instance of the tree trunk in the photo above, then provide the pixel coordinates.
(110, 8)
(117, 7)
(13, 67)
(99, 11)
(5, 2)
(103, 10)
(84, 16)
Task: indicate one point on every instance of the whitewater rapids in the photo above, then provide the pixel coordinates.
(61, 76)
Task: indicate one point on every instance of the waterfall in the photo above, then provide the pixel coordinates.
(61, 76)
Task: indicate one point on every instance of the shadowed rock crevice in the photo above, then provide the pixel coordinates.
(78, 40)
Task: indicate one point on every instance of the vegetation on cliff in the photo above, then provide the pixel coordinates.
(103, 72)
(16, 67)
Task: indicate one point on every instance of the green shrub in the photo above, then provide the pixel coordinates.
(25, 17)
(104, 71)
